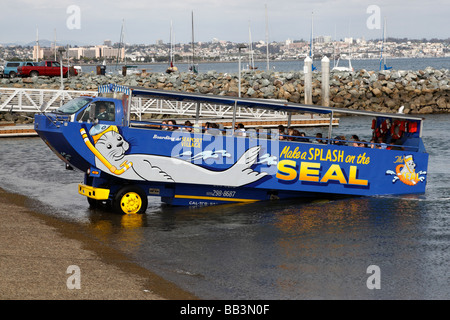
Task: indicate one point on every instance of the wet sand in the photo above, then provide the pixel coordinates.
(36, 251)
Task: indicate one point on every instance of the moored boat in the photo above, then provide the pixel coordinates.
(126, 160)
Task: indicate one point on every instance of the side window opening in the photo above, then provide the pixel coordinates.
(105, 110)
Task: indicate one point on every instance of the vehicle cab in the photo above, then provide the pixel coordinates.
(92, 110)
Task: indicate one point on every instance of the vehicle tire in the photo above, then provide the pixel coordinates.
(130, 200)
(98, 204)
(93, 203)
(12, 74)
(34, 74)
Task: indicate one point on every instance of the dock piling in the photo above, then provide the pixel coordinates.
(307, 69)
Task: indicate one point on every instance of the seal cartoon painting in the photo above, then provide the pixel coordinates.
(406, 172)
(110, 156)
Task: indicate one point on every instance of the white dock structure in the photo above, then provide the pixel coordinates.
(27, 100)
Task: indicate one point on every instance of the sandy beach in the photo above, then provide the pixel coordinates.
(37, 252)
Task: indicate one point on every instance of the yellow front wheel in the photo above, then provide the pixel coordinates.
(130, 200)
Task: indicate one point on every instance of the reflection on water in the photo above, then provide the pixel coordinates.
(293, 249)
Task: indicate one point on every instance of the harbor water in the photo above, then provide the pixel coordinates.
(291, 250)
(288, 66)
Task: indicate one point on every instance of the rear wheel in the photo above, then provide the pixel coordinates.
(130, 200)
(12, 74)
(34, 74)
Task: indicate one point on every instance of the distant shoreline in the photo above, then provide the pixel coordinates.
(256, 60)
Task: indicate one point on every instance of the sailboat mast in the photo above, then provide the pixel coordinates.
(382, 46)
(384, 39)
(311, 53)
(267, 39)
(171, 48)
(193, 54)
(250, 45)
(120, 42)
(37, 44)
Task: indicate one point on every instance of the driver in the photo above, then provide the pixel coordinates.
(103, 114)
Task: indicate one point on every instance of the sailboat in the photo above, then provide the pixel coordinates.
(344, 69)
(311, 54)
(251, 65)
(171, 67)
(193, 68)
(344, 57)
(383, 65)
(267, 39)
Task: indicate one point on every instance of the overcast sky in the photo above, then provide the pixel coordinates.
(93, 21)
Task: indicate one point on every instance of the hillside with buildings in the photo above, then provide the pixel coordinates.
(219, 50)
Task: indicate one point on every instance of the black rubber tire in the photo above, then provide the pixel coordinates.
(121, 198)
(34, 74)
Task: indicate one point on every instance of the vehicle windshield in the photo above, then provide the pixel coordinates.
(74, 105)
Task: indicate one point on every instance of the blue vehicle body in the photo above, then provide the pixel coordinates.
(121, 156)
(10, 69)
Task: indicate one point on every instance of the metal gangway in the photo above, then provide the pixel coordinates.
(26, 100)
(45, 100)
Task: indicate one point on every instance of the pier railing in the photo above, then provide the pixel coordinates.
(45, 100)
(36, 100)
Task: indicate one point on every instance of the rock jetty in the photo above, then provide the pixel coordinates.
(420, 92)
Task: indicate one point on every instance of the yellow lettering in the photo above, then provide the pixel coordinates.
(352, 177)
(286, 170)
(285, 150)
(311, 156)
(334, 173)
(309, 171)
(317, 152)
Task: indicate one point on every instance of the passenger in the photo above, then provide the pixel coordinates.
(296, 135)
(394, 145)
(372, 144)
(213, 129)
(164, 125)
(339, 140)
(172, 125)
(188, 126)
(364, 144)
(206, 127)
(319, 138)
(239, 130)
(290, 133)
(382, 144)
(356, 142)
(303, 137)
(281, 132)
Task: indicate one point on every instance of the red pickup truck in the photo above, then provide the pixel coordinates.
(44, 68)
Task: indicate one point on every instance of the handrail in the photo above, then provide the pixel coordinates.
(274, 133)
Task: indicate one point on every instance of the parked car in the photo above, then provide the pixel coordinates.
(44, 68)
(10, 69)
